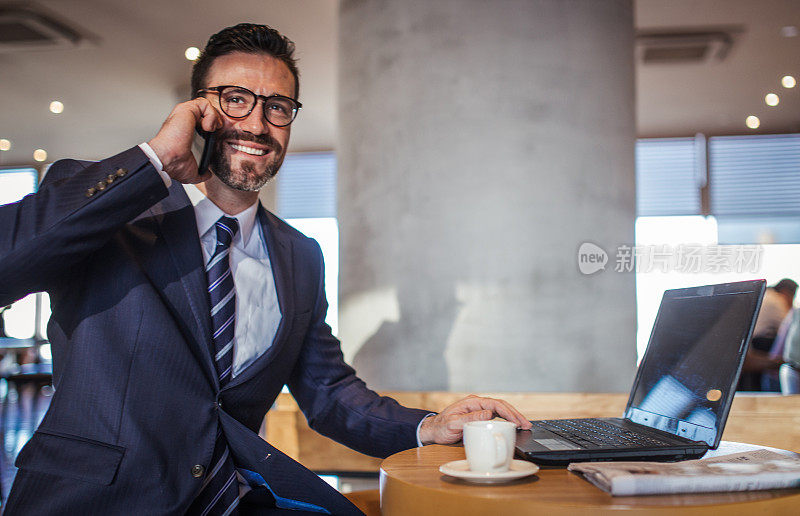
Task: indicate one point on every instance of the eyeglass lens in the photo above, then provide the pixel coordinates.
(239, 102)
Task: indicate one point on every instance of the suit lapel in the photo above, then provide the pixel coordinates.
(279, 248)
(172, 258)
(173, 261)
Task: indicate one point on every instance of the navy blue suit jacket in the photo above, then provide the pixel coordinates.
(137, 402)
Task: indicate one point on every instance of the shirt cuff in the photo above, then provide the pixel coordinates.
(419, 426)
(151, 155)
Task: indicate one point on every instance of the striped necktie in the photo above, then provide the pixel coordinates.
(222, 296)
(219, 494)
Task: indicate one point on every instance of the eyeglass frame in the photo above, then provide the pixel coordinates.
(264, 99)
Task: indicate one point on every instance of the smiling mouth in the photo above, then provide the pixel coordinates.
(249, 150)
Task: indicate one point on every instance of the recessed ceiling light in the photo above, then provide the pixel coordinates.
(789, 31)
(771, 99)
(40, 154)
(787, 81)
(56, 107)
(5, 144)
(752, 122)
(192, 53)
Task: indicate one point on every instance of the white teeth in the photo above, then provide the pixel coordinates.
(249, 150)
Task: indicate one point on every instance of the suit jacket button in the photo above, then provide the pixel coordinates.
(110, 179)
(100, 186)
(198, 471)
(121, 172)
(90, 192)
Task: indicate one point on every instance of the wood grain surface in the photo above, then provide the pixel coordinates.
(412, 484)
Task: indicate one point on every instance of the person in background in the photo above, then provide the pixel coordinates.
(786, 349)
(759, 372)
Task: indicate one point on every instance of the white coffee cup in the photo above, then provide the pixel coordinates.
(489, 445)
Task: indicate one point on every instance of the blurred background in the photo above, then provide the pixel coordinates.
(454, 157)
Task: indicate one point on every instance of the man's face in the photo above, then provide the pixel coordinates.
(249, 151)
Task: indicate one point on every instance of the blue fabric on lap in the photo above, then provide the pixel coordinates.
(255, 480)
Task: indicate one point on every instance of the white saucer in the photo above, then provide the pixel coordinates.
(460, 469)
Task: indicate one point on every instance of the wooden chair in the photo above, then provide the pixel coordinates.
(369, 501)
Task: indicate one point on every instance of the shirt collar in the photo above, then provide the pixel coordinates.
(207, 214)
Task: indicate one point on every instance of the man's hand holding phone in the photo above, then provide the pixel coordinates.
(173, 143)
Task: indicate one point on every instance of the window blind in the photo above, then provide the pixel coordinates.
(755, 175)
(669, 175)
(306, 186)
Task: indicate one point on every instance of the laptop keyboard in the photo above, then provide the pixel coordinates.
(596, 433)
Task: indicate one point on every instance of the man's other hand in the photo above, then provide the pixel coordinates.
(447, 426)
(173, 143)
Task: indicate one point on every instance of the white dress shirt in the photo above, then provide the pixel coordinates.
(257, 311)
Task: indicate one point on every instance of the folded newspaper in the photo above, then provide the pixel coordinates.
(742, 471)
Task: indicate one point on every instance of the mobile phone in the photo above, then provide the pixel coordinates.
(208, 148)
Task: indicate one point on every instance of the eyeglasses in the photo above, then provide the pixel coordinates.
(238, 102)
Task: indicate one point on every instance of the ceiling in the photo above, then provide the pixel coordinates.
(715, 97)
(121, 81)
(120, 85)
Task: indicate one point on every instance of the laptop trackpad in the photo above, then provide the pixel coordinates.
(557, 444)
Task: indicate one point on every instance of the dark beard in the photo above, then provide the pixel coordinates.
(249, 180)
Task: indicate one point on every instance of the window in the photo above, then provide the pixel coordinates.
(669, 175)
(15, 183)
(755, 175)
(22, 319)
(753, 198)
(307, 186)
(752, 185)
(306, 198)
(755, 188)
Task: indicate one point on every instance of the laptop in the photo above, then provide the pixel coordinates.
(683, 389)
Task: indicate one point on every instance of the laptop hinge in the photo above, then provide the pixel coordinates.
(679, 427)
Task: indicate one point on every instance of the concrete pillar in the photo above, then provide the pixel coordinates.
(481, 143)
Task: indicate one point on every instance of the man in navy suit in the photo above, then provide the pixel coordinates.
(180, 309)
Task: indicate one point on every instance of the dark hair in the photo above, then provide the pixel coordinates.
(250, 39)
(786, 285)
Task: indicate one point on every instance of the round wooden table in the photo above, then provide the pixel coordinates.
(411, 483)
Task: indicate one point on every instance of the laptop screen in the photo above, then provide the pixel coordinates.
(687, 378)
